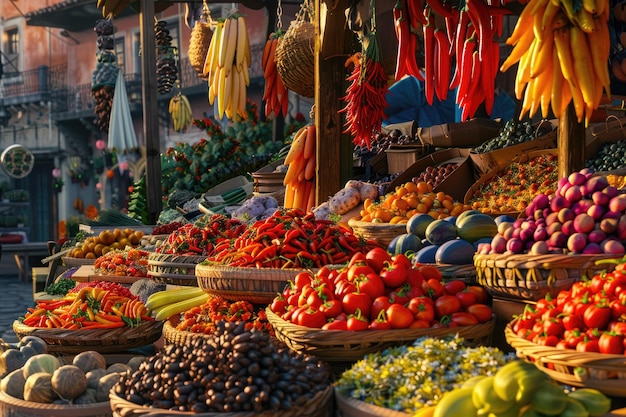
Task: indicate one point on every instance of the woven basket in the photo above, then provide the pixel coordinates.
(199, 42)
(100, 340)
(174, 336)
(14, 407)
(465, 273)
(347, 346)
(295, 55)
(319, 406)
(532, 277)
(174, 269)
(604, 372)
(256, 285)
(351, 407)
(382, 233)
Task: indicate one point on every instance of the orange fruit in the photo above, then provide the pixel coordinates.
(90, 255)
(98, 249)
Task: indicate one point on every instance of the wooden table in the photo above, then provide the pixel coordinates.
(22, 253)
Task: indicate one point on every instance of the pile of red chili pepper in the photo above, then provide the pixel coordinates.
(200, 237)
(89, 307)
(166, 229)
(366, 95)
(202, 319)
(290, 238)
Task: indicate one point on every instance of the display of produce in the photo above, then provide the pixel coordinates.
(398, 206)
(94, 305)
(93, 246)
(610, 156)
(14, 356)
(290, 238)
(513, 133)
(562, 52)
(376, 291)
(518, 388)
(227, 65)
(412, 378)
(269, 376)
(85, 379)
(583, 215)
(512, 188)
(124, 263)
(301, 161)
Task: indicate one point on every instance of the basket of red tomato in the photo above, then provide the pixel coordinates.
(579, 336)
(376, 300)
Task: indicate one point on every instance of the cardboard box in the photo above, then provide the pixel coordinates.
(460, 135)
(399, 158)
(485, 162)
(455, 185)
(610, 131)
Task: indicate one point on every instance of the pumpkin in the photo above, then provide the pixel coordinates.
(13, 384)
(88, 360)
(87, 397)
(119, 368)
(43, 362)
(105, 384)
(69, 381)
(94, 376)
(135, 361)
(38, 388)
(37, 343)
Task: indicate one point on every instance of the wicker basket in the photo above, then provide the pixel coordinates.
(604, 372)
(465, 273)
(347, 346)
(174, 336)
(319, 406)
(295, 54)
(174, 269)
(351, 407)
(382, 233)
(15, 407)
(101, 340)
(532, 277)
(256, 285)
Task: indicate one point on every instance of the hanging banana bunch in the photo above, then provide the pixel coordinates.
(562, 50)
(275, 93)
(227, 67)
(180, 112)
(111, 8)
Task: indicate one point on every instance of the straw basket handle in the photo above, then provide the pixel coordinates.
(608, 119)
(540, 125)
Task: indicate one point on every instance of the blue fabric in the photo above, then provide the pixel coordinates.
(407, 102)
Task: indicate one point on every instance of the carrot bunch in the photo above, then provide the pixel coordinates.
(89, 308)
(366, 96)
(275, 93)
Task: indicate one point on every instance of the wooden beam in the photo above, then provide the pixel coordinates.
(571, 143)
(334, 150)
(150, 110)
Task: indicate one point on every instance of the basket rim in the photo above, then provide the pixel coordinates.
(364, 407)
(68, 410)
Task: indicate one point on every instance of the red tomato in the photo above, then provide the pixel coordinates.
(336, 325)
(463, 318)
(482, 296)
(588, 345)
(446, 305)
(331, 308)
(399, 295)
(359, 270)
(429, 271)
(294, 313)
(610, 342)
(341, 276)
(433, 288)
(573, 337)
(454, 286)
(380, 323)
(318, 296)
(311, 318)
(279, 305)
(399, 316)
(358, 257)
(422, 309)
(342, 288)
(572, 321)
(553, 327)
(371, 284)
(618, 308)
(357, 323)
(393, 276)
(466, 297)
(419, 324)
(301, 279)
(414, 278)
(357, 301)
(377, 258)
(618, 327)
(379, 304)
(401, 259)
(579, 289)
(615, 285)
(547, 340)
(597, 316)
(482, 312)
(597, 283)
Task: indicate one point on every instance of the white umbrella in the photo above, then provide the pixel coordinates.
(122, 138)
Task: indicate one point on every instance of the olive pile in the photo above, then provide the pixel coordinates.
(513, 133)
(231, 370)
(434, 175)
(609, 156)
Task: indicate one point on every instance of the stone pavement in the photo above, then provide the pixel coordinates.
(15, 297)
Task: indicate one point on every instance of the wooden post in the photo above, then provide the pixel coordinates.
(571, 143)
(334, 149)
(150, 110)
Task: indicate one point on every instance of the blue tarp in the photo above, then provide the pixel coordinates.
(407, 102)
